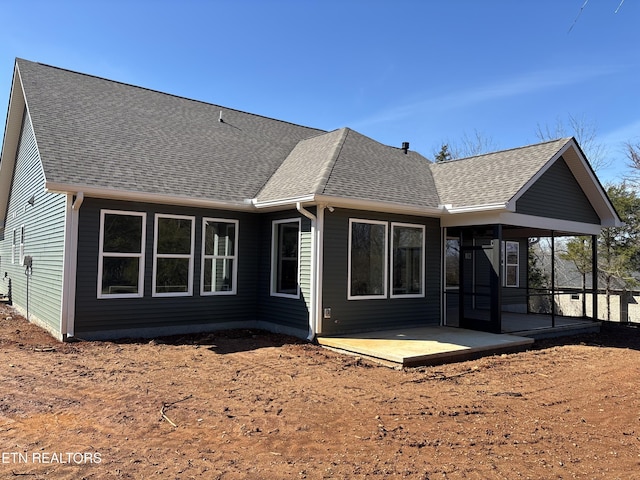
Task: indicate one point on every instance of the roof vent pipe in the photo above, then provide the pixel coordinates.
(405, 147)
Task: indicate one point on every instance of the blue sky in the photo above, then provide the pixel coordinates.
(427, 72)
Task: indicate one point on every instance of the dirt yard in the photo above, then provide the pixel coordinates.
(253, 405)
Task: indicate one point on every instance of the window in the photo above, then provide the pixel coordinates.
(452, 262)
(512, 264)
(173, 255)
(121, 255)
(407, 260)
(219, 256)
(367, 259)
(22, 245)
(13, 246)
(285, 258)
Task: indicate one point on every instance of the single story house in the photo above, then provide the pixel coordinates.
(128, 212)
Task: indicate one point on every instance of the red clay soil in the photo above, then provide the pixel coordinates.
(254, 405)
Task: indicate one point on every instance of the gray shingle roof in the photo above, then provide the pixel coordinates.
(493, 178)
(347, 164)
(96, 132)
(93, 132)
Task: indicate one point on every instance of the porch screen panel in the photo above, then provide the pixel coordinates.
(367, 259)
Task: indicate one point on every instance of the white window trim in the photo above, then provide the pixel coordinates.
(13, 245)
(422, 263)
(385, 275)
(156, 255)
(21, 245)
(233, 257)
(274, 258)
(141, 255)
(505, 265)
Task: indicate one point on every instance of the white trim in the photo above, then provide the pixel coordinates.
(70, 265)
(14, 243)
(21, 245)
(140, 256)
(157, 255)
(422, 260)
(116, 194)
(385, 274)
(274, 258)
(233, 258)
(521, 220)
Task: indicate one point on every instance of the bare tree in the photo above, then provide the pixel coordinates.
(585, 132)
(469, 145)
(633, 155)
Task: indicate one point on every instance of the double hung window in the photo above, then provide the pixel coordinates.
(121, 254)
(219, 256)
(173, 255)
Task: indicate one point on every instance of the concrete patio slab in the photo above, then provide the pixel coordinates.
(425, 345)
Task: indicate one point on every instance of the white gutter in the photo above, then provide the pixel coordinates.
(313, 320)
(70, 268)
(477, 208)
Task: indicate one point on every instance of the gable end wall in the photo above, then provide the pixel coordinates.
(44, 237)
(557, 194)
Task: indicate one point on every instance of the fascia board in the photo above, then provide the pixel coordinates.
(11, 138)
(476, 208)
(113, 194)
(355, 204)
(520, 220)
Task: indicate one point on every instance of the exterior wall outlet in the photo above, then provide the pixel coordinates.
(327, 312)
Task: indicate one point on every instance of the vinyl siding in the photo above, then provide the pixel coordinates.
(44, 237)
(363, 315)
(127, 316)
(292, 313)
(557, 194)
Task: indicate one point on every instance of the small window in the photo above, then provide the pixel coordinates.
(512, 264)
(219, 256)
(173, 255)
(14, 245)
(121, 255)
(367, 259)
(22, 245)
(285, 258)
(407, 260)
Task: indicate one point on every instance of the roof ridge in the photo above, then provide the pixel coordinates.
(167, 94)
(565, 139)
(323, 178)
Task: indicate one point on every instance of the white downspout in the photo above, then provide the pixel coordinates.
(70, 268)
(314, 268)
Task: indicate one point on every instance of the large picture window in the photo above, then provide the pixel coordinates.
(219, 256)
(173, 255)
(407, 260)
(285, 258)
(121, 254)
(367, 259)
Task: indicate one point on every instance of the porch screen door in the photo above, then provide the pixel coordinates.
(480, 286)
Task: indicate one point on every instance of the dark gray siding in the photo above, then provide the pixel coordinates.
(557, 195)
(176, 313)
(362, 315)
(288, 312)
(43, 223)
